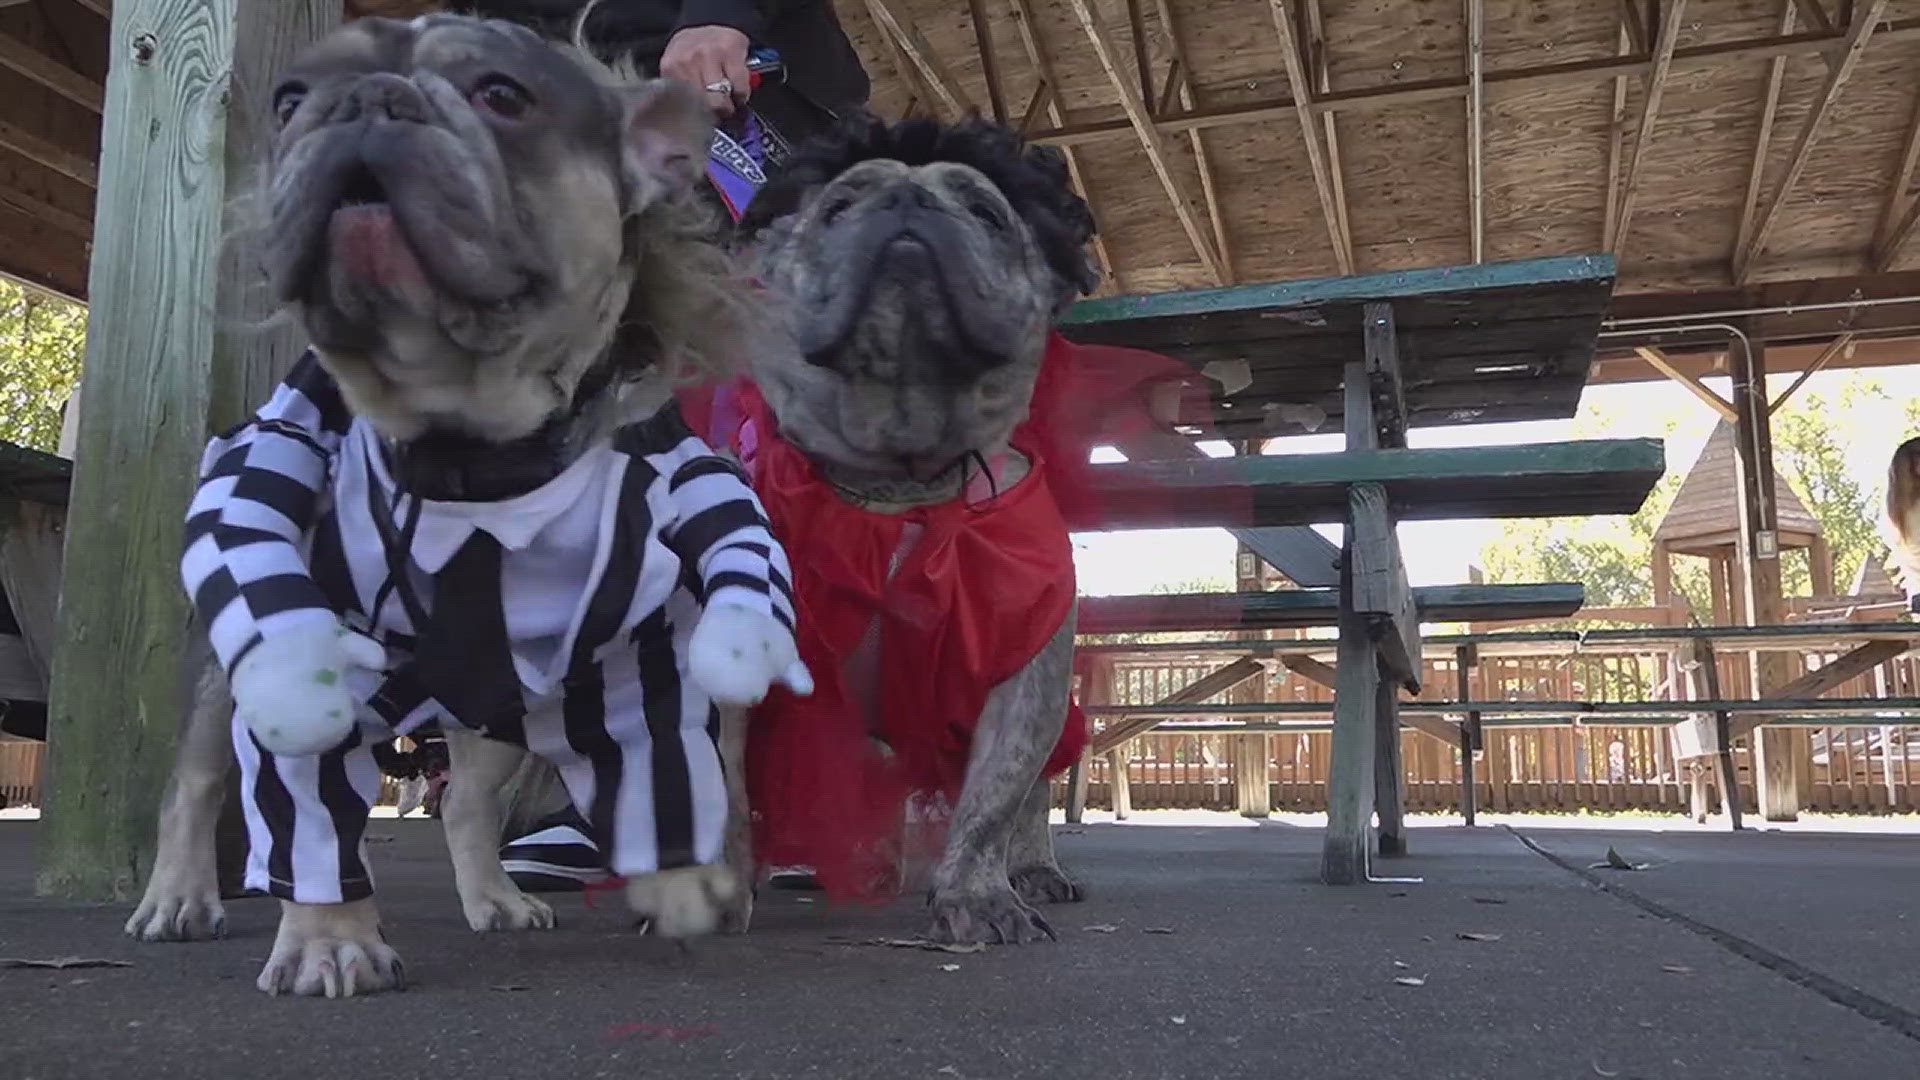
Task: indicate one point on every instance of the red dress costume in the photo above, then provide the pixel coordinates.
(909, 620)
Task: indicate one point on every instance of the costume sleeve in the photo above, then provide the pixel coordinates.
(747, 16)
(260, 487)
(717, 525)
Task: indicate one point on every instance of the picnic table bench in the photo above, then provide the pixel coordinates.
(1371, 356)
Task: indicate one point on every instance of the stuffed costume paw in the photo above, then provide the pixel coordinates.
(738, 653)
(291, 689)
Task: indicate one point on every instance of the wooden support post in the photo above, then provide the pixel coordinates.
(171, 355)
(1758, 577)
(1077, 791)
(1119, 783)
(1707, 683)
(1464, 658)
(1252, 781)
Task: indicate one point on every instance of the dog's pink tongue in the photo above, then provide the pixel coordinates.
(367, 245)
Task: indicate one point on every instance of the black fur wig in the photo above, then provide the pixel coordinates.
(1032, 178)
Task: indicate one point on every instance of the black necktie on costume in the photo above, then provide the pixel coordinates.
(463, 656)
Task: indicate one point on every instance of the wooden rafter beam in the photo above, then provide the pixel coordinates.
(1816, 15)
(1658, 360)
(989, 60)
(908, 39)
(47, 214)
(1756, 172)
(1866, 20)
(1649, 115)
(1142, 62)
(1309, 133)
(1476, 140)
(19, 57)
(102, 8)
(1042, 63)
(43, 153)
(1898, 238)
(1569, 73)
(1900, 190)
(1323, 83)
(1833, 349)
(1150, 139)
(1634, 26)
(1202, 155)
(1616, 146)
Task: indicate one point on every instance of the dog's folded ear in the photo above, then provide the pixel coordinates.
(665, 131)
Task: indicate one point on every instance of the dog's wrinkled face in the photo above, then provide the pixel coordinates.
(450, 208)
(921, 291)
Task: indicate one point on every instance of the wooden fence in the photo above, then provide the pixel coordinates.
(21, 766)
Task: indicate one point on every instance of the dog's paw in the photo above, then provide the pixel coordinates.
(331, 950)
(686, 902)
(736, 915)
(178, 910)
(1042, 884)
(989, 917)
(505, 907)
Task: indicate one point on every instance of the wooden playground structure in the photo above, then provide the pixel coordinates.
(1345, 218)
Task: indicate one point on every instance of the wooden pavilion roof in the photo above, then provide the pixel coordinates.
(1730, 153)
(1705, 514)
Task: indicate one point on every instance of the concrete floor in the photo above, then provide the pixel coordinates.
(1775, 955)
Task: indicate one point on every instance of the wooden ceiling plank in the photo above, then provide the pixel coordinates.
(1303, 109)
(908, 39)
(1657, 360)
(1634, 26)
(1816, 14)
(1756, 172)
(1476, 136)
(24, 59)
(989, 61)
(1570, 73)
(1150, 138)
(1866, 20)
(1649, 115)
(1142, 63)
(1042, 63)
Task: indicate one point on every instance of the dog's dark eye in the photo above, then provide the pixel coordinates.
(985, 212)
(834, 209)
(502, 97)
(286, 101)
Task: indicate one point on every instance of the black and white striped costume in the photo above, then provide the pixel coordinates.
(602, 573)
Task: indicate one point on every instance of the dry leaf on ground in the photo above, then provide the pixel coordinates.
(1410, 980)
(61, 963)
(1469, 936)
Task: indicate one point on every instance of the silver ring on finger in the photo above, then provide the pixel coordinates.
(724, 86)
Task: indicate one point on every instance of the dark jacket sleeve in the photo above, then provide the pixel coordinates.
(750, 17)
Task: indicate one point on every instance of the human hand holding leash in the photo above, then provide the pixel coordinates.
(713, 58)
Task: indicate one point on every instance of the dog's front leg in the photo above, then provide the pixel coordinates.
(1036, 874)
(182, 899)
(470, 813)
(973, 899)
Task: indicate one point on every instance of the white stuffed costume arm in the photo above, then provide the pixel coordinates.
(282, 645)
(745, 640)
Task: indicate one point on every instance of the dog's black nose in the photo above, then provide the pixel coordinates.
(381, 95)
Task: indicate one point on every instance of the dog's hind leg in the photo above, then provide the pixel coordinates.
(182, 899)
(973, 897)
(470, 813)
(738, 914)
(1036, 874)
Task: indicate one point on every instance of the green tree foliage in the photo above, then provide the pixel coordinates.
(42, 339)
(1811, 456)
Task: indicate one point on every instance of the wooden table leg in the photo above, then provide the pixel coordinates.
(1389, 774)
(1343, 859)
